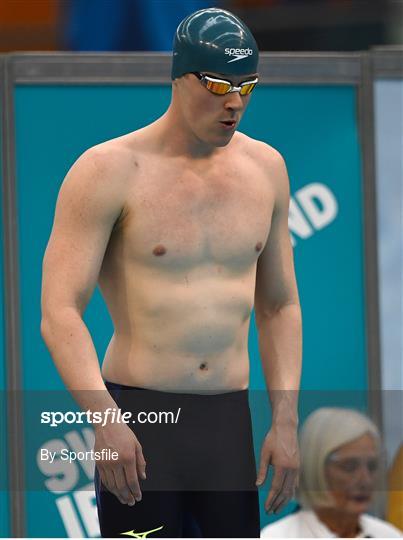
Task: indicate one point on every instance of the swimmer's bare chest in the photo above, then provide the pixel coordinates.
(179, 216)
(179, 271)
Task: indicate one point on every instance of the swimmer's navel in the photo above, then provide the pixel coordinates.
(203, 366)
(159, 250)
(258, 246)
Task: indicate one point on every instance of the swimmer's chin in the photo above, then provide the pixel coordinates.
(225, 142)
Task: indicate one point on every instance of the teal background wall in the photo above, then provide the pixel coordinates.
(4, 506)
(314, 127)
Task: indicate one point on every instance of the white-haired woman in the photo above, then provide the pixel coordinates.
(340, 457)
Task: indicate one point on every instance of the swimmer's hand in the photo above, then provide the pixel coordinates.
(121, 477)
(280, 450)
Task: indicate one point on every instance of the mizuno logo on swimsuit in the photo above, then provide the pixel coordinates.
(143, 534)
(239, 54)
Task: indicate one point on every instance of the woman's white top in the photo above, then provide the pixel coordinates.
(305, 524)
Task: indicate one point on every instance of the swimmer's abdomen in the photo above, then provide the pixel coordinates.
(170, 326)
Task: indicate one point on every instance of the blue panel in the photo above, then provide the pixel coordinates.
(54, 126)
(314, 128)
(4, 506)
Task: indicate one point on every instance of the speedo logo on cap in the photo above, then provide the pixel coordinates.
(239, 54)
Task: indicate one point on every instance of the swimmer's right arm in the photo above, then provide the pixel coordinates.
(89, 203)
(90, 200)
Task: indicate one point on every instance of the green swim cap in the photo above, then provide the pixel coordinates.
(214, 40)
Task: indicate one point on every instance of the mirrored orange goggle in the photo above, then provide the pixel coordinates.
(221, 86)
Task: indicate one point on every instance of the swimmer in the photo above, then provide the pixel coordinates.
(183, 224)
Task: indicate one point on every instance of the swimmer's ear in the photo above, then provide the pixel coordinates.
(178, 82)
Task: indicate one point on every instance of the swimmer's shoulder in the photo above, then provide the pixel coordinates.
(99, 180)
(110, 162)
(270, 161)
(260, 151)
(115, 154)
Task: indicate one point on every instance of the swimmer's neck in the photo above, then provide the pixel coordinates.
(175, 139)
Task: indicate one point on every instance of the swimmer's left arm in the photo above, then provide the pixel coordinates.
(279, 324)
(277, 307)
